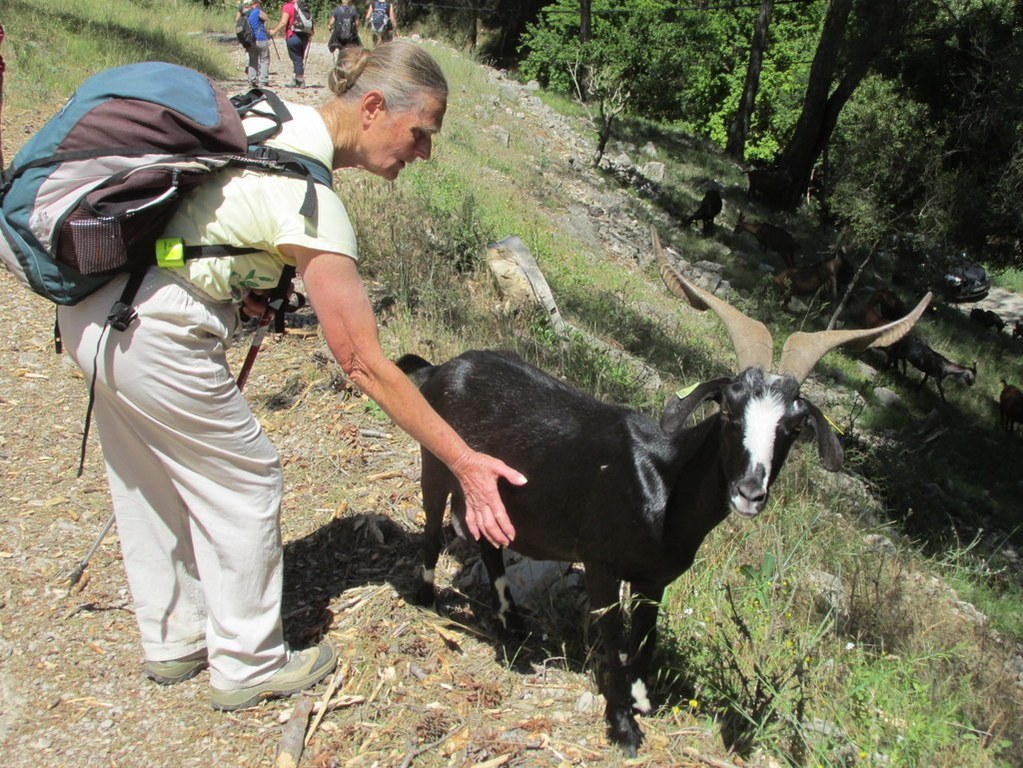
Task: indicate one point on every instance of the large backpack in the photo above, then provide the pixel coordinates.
(344, 32)
(380, 18)
(88, 196)
(243, 30)
(302, 23)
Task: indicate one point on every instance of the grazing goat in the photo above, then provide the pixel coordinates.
(709, 208)
(882, 307)
(1017, 329)
(914, 350)
(1010, 406)
(987, 318)
(609, 487)
(770, 237)
(800, 281)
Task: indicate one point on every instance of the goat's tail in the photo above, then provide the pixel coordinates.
(415, 367)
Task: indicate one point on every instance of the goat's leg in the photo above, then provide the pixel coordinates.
(645, 604)
(937, 380)
(602, 587)
(504, 604)
(435, 486)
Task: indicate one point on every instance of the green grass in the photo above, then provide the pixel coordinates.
(52, 46)
(1009, 279)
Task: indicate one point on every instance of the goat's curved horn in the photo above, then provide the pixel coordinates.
(802, 350)
(751, 339)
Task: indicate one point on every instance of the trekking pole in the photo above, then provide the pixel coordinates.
(278, 302)
(257, 339)
(76, 575)
(1, 95)
(274, 43)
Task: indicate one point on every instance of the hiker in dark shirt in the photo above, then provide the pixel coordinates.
(343, 26)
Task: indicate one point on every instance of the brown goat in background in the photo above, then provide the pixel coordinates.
(770, 237)
(801, 281)
(1010, 406)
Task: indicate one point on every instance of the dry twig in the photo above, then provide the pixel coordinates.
(289, 749)
(339, 675)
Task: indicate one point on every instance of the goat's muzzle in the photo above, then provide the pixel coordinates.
(749, 496)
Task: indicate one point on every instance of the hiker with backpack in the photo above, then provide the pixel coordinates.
(343, 26)
(195, 482)
(254, 17)
(297, 23)
(382, 20)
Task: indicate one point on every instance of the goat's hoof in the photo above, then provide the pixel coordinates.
(625, 732)
(511, 626)
(426, 596)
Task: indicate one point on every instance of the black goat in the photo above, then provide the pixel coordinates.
(987, 318)
(709, 208)
(914, 350)
(609, 487)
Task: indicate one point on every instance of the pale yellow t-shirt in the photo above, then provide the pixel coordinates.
(261, 210)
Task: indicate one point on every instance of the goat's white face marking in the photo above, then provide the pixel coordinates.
(428, 576)
(763, 413)
(640, 700)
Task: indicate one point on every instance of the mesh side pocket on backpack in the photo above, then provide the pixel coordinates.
(91, 245)
(116, 224)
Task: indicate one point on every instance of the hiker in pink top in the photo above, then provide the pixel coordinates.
(296, 21)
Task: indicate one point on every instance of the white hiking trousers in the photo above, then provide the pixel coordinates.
(195, 483)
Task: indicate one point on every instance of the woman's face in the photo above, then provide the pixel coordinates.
(396, 139)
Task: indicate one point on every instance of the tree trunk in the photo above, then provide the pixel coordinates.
(784, 184)
(584, 21)
(737, 131)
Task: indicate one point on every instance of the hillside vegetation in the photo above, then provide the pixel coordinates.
(870, 617)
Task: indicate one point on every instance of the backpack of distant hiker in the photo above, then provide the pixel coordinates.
(243, 30)
(302, 23)
(344, 32)
(380, 18)
(89, 195)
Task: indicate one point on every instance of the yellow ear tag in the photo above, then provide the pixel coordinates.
(170, 252)
(834, 426)
(682, 394)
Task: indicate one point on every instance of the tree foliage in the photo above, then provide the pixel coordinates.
(917, 103)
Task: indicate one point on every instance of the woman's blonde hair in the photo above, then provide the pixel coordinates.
(400, 69)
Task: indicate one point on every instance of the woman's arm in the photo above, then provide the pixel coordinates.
(283, 23)
(342, 306)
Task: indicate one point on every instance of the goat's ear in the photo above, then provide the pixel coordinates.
(678, 409)
(828, 447)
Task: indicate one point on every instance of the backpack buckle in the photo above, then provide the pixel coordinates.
(264, 154)
(121, 316)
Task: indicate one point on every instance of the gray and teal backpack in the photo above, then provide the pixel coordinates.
(89, 195)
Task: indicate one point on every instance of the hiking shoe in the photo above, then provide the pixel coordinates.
(178, 670)
(303, 670)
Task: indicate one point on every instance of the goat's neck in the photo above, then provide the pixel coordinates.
(699, 499)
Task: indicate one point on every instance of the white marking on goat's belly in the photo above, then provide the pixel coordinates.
(639, 697)
(428, 575)
(762, 417)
